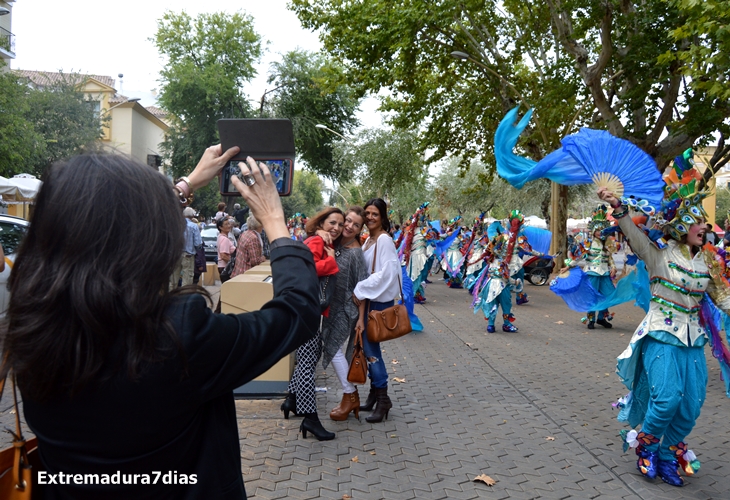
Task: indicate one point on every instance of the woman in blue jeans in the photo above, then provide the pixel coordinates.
(379, 289)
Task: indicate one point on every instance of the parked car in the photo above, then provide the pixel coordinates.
(12, 232)
(210, 243)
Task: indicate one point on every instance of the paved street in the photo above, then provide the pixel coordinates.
(532, 410)
(478, 403)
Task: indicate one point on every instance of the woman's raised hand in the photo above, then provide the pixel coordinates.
(210, 165)
(608, 197)
(262, 198)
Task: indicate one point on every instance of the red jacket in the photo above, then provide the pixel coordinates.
(325, 265)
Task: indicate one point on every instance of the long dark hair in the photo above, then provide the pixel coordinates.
(382, 207)
(91, 275)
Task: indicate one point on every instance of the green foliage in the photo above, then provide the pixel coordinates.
(382, 161)
(21, 145)
(39, 126)
(578, 63)
(66, 119)
(309, 92)
(306, 194)
(704, 30)
(208, 60)
(722, 205)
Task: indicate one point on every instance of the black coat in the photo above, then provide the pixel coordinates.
(167, 422)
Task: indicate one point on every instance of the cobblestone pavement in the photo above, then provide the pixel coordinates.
(530, 409)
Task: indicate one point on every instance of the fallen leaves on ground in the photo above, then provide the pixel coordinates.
(399, 380)
(372, 453)
(439, 361)
(395, 362)
(468, 344)
(549, 438)
(346, 497)
(485, 479)
(559, 323)
(355, 459)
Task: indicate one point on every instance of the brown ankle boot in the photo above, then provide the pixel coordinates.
(382, 406)
(350, 402)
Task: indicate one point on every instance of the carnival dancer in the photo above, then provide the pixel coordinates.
(595, 257)
(664, 364)
(495, 277)
(453, 257)
(417, 254)
(476, 261)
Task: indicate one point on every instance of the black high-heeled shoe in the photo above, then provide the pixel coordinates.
(289, 405)
(370, 401)
(312, 424)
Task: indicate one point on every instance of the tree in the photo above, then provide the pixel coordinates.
(382, 160)
(21, 144)
(633, 68)
(306, 197)
(309, 91)
(207, 61)
(41, 125)
(62, 114)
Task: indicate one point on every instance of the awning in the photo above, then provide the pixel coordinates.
(23, 187)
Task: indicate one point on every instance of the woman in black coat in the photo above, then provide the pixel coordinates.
(124, 384)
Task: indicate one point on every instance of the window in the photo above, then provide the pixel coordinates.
(11, 235)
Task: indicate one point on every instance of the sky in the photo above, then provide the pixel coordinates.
(112, 38)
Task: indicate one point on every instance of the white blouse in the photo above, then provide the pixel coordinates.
(383, 284)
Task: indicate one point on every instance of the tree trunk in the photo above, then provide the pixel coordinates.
(558, 219)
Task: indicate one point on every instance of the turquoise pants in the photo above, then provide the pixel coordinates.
(672, 385)
(504, 300)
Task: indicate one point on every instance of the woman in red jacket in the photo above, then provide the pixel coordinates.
(301, 398)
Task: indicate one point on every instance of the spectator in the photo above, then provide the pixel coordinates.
(379, 288)
(118, 378)
(250, 248)
(345, 317)
(193, 242)
(225, 246)
(302, 398)
(221, 212)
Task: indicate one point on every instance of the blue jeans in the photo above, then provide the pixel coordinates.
(376, 367)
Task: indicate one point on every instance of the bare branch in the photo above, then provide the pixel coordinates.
(591, 75)
(670, 98)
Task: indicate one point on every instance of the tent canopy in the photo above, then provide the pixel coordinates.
(23, 187)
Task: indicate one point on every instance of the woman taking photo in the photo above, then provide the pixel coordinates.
(379, 289)
(119, 376)
(301, 398)
(344, 316)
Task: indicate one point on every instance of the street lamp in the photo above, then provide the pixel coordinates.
(325, 127)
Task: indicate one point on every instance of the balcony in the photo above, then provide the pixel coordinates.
(7, 44)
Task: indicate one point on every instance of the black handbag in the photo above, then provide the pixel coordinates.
(326, 290)
(228, 270)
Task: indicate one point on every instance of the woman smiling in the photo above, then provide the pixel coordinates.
(379, 289)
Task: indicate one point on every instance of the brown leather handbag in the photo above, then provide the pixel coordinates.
(358, 372)
(19, 463)
(389, 323)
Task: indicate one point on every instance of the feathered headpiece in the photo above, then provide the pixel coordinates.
(599, 219)
(682, 206)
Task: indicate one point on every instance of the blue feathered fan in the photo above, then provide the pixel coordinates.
(590, 156)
